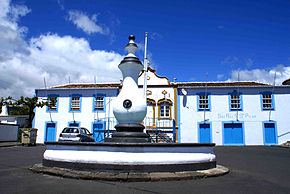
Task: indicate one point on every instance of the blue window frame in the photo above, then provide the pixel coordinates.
(203, 102)
(267, 101)
(52, 103)
(74, 124)
(235, 101)
(75, 103)
(99, 103)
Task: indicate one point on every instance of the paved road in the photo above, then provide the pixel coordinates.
(253, 170)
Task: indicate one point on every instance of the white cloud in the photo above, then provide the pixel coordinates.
(85, 23)
(260, 75)
(11, 35)
(263, 75)
(23, 64)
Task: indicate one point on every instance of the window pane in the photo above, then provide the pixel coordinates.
(203, 102)
(99, 103)
(267, 101)
(52, 102)
(235, 102)
(164, 109)
(75, 103)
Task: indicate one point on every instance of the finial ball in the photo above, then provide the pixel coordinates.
(132, 37)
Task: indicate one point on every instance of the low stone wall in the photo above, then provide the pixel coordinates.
(130, 157)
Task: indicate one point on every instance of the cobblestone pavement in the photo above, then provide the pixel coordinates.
(253, 170)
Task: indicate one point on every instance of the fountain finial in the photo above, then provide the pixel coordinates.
(131, 47)
(131, 37)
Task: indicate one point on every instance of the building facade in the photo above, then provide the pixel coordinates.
(225, 113)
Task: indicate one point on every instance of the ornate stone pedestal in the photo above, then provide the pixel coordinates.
(131, 133)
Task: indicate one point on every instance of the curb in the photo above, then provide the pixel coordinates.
(281, 146)
(131, 176)
(9, 144)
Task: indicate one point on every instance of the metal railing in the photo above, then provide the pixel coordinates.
(160, 131)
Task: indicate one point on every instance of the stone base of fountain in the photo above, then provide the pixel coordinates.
(129, 133)
(130, 161)
(130, 157)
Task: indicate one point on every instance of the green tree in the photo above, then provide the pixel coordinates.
(25, 106)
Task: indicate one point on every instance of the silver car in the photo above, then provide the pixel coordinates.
(77, 134)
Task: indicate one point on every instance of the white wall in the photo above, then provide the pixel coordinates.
(251, 116)
(63, 116)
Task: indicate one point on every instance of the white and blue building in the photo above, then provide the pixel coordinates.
(225, 113)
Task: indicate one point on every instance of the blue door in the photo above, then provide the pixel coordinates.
(204, 133)
(233, 134)
(99, 131)
(270, 136)
(50, 132)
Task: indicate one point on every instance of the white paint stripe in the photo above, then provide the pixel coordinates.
(127, 158)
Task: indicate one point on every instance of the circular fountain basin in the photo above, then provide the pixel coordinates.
(130, 157)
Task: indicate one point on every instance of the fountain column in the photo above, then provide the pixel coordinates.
(130, 107)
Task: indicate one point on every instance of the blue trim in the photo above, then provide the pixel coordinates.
(57, 101)
(243, 132)
(71, 122)
(210, 131)
(209, 101)
(275, 131)
(241, 101)
(33, 121)
(178, 114)
(99, 95)
(70, 102)
(273, 101)
(45, 130)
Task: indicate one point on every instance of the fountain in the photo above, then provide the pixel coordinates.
(129, 155)
(130, 107)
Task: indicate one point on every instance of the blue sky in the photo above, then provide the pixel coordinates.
(187, 39)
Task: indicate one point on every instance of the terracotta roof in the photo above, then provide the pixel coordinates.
(88, 85)
(221, 84)
(179, 84)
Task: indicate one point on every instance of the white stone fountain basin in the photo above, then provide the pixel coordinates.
(143, 157)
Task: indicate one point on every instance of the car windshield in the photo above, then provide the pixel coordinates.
(83, 131)
(87, 131)
(70, 130)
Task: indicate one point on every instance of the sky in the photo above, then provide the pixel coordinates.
(83, 40)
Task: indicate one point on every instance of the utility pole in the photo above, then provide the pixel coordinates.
(145, 68)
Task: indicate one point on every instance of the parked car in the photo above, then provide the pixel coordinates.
(79, 134)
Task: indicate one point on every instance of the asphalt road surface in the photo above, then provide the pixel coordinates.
(253, 170)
